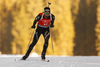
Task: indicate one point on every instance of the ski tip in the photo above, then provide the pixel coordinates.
(18, 59)
(15, 60)
(47, 60)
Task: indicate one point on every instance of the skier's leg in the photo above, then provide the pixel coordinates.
(35, 39)
(46, 37)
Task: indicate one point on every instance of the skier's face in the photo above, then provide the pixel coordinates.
(47, 13)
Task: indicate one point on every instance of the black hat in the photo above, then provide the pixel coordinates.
(46, 9)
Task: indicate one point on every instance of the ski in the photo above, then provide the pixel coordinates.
(18, 59)
(45, 60)
(23, 60)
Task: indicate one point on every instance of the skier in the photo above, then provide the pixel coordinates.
(45, 20)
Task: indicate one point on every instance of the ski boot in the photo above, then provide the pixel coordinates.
(27, 54)
(25, 57)
(43, 57)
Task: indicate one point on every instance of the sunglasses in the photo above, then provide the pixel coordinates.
(47, 13)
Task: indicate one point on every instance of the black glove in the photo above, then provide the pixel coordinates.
(51, 25)
(32, 26)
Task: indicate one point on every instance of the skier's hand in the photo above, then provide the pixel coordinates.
(51, 25)
(33, 27)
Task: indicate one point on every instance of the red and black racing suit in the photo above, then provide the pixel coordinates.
(42, 28)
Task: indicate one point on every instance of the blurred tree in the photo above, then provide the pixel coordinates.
(6, 19)
(97, 28)
(85, 28)
(24, 16)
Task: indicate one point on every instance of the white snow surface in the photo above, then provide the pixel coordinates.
(55, 61)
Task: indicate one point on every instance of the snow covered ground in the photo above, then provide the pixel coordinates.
(55, 61)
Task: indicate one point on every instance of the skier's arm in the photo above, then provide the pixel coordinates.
(38, 17)
(52, 22)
